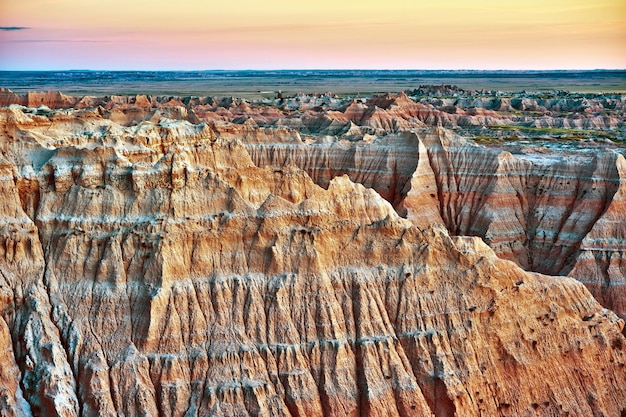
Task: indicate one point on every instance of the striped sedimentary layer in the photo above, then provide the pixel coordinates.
(557, 213)
(156, 269)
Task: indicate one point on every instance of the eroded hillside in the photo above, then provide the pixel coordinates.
(165, 256)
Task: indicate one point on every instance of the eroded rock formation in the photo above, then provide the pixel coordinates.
(173, 262)
(554, 213)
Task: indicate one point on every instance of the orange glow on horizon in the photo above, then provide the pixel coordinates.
(195, 34)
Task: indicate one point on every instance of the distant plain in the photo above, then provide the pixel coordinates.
(260, 84)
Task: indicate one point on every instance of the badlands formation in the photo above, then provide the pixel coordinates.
(435, 253)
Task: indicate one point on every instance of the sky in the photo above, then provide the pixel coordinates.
(320, 34)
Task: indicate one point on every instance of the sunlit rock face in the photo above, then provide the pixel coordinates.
(557, 213)
(164, 265)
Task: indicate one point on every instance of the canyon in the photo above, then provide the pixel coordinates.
(438, 252)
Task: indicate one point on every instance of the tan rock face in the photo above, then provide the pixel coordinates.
(157, 270)
(555, 214)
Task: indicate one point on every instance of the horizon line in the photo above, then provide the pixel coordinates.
(319, 69)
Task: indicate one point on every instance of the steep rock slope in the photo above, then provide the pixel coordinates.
(558, 213)
(384, 164)
(529, 207)
(156, 270)
(35, 374)
(555, 213)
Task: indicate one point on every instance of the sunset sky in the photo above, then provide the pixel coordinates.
(281, 34)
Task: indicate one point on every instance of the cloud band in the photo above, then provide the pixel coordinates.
(12, 28)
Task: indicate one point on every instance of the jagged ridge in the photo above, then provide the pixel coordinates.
(156, 269)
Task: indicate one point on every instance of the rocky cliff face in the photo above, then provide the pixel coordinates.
(171, 267)
(557, 213)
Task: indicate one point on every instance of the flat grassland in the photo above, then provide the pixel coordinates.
(264, 84)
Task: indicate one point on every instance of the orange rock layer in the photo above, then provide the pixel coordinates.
(557, 214)
(156, 269)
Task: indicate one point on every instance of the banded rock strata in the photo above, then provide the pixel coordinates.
(556, 213)
(180, 268)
